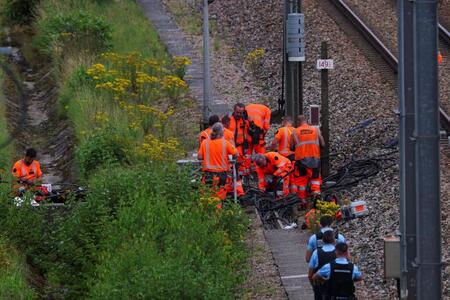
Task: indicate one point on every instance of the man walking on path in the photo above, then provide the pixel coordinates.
(316, 240)
(320, 257)
(341, 275)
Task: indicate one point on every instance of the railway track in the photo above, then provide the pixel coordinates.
(348, 18)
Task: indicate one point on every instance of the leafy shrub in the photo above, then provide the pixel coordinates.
(18, 11)
(102, 148)
(73, 32)
(164, 244)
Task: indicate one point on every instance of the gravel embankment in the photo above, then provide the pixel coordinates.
(381, 16)
(357, 92)
(444, 13)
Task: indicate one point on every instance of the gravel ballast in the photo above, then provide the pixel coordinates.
(358, 91)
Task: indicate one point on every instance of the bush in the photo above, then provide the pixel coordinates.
(104, 147)
(72, 33)
(13, 284)
(18, 11)
(164, 244)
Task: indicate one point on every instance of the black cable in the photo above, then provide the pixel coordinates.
(347, 175)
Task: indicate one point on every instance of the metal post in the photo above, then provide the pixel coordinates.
(300, 74)
(295, 91)
(206, 73)
(429, 281)
(288, 104)
(325, 113)
(407, 151)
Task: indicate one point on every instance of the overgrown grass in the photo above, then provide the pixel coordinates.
(13, 284)
(144, 232)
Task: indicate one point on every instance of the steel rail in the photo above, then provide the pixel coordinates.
(444, 33)
(384, 51)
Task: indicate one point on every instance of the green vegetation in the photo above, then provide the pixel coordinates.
(144, 231)
(78, 31)
(17, 11)
(13, 284)
(12, 280)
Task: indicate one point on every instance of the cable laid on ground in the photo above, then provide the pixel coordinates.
(347, 175)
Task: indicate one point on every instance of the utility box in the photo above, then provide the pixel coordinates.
(391, 257)
(295, 37)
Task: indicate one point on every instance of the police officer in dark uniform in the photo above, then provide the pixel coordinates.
(341, 275)
(320, 257)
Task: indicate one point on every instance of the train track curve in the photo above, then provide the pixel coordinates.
(381, 49)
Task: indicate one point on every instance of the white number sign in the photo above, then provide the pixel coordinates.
(327, 64)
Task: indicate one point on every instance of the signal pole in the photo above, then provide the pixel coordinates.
(206, 70)
(295, 53)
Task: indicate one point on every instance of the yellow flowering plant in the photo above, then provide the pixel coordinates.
(254, 60)
(322, 208)
(140, 88)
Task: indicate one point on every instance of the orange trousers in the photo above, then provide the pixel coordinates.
(217, 182)
(286, 185)
(299, 183)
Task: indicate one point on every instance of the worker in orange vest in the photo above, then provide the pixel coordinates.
(306, 141)
(273, 166)
(227, 133)
(214, 153)
(229, 136)
(440, 58)
(239, 126)
(258, 116)
(28, 170)
(205, 134)
(282, 139)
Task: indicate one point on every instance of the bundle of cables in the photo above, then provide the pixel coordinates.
(352, 172)
(276, 213)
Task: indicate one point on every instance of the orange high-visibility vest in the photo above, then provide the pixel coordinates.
(228, 135)
(277, 165)
(239, 129)
(205, 134)
(214, 155)
(440, 58)
(283, 137)
(306, 141)
(259, 114)
(21, 171)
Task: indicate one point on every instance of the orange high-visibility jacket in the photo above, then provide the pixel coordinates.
(305, 140)
(259, 114)
(239, 129)
(21, 171)
(205, 134)
(228, 135)
(283, 137)
(214, 155)
(277, 165)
